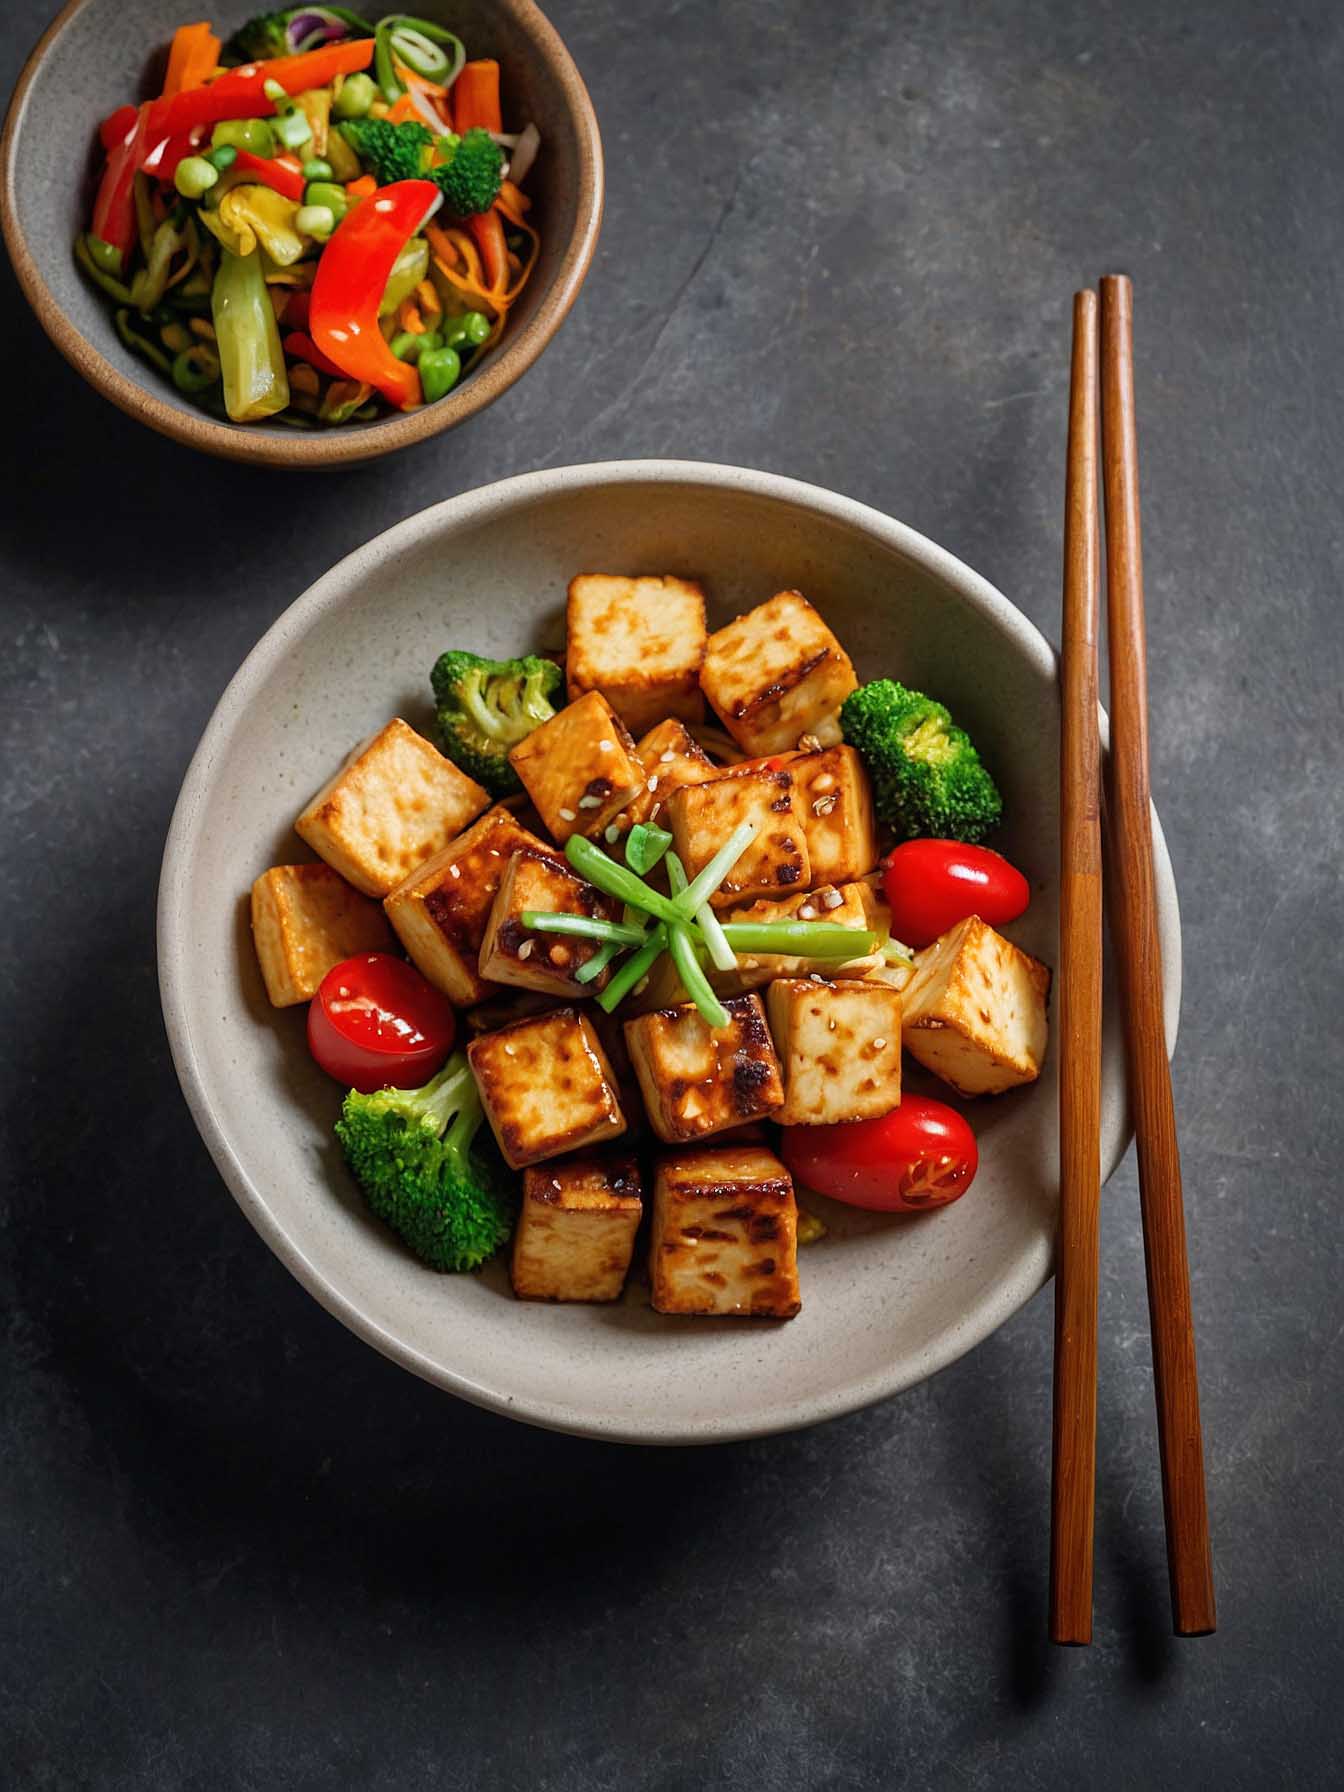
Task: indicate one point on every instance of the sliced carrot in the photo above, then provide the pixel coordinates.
(429, 299)
(475, 96)
(408, 316)
(488, 230)
(193, 56)
(512, 201)
(361, 188)
(404, 111)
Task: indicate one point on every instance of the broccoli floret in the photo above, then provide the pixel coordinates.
(269, 33)
(389, 151)
(469, 179)
(484, 707)
(414, 1154)
(927, 776)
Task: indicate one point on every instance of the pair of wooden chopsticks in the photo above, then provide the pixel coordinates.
(1134, 931)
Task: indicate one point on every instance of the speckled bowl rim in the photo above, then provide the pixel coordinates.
(338, 447)
(175, 957)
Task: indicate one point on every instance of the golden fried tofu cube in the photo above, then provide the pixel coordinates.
(305, 920)
(702, 816)
(974, 1011)
(394, 802)
(697, 1079)
(777, 673)
(538, 878)
(670, 757)
(546, 1086)
(724, 1236)
(640, 642)
(579, 768)
(440, 910)
(839, 1047)
(837, 806)
(576, 1229)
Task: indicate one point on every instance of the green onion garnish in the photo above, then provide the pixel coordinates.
(804, 939)
(589, 927)
(703, 886)
(637, 966)
(644, 846)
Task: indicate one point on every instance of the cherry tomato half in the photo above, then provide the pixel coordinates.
(375, 1023)
(920, 1155)
(933, 884)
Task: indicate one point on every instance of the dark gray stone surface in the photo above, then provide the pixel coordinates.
(242, 1551)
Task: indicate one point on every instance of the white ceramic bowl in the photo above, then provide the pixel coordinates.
(886, 1301)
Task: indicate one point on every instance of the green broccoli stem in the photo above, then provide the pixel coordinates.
(446, 1097)
(470, 1114)
(489, 720)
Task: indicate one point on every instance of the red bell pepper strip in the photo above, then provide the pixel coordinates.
(270, 173)
(241, 93)
(113, 129)
(351, 278)
(162, 161)
(114, 206)
(303, 348)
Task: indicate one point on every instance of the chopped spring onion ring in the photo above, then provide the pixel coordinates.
(808, 939)
(593, 864)
(524, 154)
(588, 927)
(636, 967)
(644, 846)
(421, 46)
(704, 885)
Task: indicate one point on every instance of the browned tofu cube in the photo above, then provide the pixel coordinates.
(776, 674)
(839, 1047)
(669, 757)
(576, 1229)
(697, 1079)
(974, 1011)
(579, 768)
(546, 1086)
(725, 1234)
(536, 878)
(441, 909)
(702, 816)
(638, 641)
(305, 920)
(393, 803)
(837, 806)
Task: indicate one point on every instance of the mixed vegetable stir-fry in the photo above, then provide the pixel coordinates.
(322, 218)
(687, 955)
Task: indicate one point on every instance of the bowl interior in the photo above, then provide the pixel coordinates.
(105, 52)
(886, 1300)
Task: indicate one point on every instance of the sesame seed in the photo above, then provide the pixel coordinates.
(832, 899)
(605, 746)
(824, 783)
(830, 1026)
(568, 815)
(815, 977)
(590, 802)
(454, 871)
(653, 813)
(878, 1043)
(825, 804)
(525, 950)
(508, 1051)
(666, 758)
(651, 786)
(807, 912)
(611, 834)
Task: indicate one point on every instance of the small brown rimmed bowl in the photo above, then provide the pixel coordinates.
(97, 54)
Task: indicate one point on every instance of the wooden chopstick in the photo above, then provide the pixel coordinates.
(1078, 1010)
(1134, 930)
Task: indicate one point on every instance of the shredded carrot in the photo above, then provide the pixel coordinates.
(408, 316)
(512, 201)
(475, 97)
(193, 57)
(488, 232)
(429, 299)
(404, 111)
(361, 188)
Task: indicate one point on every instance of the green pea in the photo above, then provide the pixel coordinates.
(315, 220)
(195, 369)
(325, 192)
(478, 327)
(195, 176)
(251, 134)
(406, 345)
(224, 157)
(439, 372)
(316, 169)
(293, 130)
(104, 255)
(356, 96)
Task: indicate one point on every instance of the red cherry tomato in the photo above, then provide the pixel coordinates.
(920, 1155)
(375, 1023)
(933, 884)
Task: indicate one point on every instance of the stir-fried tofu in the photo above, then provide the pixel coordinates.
(576, 1229)
(305, 920)
(837, 805)
(546, 1087)
(539, 879)
(579, 768)
(839, 1046)
(670, 757)
(394, 803)
(725, 1234)
(641, 642)
(776, 674)
(974, 1011)
(697, 1079)
(440, 910)
(702, 816)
